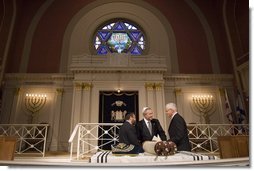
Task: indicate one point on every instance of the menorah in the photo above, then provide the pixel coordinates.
(203, 106)
(34, 103)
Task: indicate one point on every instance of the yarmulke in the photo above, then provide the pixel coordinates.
(145, 108)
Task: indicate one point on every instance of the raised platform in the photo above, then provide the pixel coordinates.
(63, 159)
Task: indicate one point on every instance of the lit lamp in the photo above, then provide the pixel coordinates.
(34, 103)
(203, 106)
(118, 82)
(118, 90)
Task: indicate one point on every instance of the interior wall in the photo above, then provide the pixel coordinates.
(80, 31)
(58, 37)
(56, 111)
(181, 92)
(40, 26)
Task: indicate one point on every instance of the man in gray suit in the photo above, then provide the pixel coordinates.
(149, 127)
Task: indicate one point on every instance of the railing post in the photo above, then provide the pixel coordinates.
(71, 151)
(78, 144)
(45, 140)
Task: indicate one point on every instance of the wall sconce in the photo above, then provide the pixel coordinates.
(203, 106)
(34, 103)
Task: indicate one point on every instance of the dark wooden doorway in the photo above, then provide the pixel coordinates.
(113, 108)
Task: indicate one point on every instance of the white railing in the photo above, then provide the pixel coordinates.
(203, 137)
(31, 138)
(93, 137)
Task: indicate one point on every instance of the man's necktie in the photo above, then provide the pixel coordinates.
(150, 127)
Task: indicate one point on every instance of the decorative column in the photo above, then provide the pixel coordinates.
(85, 111)
(15, 105)
(86, 102)
(222, 105)
(76, 105)
(150, 95)
(76, 109)
(160, 104)
(179, 99)
(56, 119)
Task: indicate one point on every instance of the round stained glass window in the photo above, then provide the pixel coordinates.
(119, 37)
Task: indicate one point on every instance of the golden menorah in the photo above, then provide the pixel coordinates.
(203, 106)
(34, 103)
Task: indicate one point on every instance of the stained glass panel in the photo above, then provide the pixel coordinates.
(119, 42)
(102, 50)
(135, 35)
(119, 26)
(135, 51)
(104, 34)
(119, 37)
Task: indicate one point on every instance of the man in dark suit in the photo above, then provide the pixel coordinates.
(149, 127)
(127, 132)
(177, 130)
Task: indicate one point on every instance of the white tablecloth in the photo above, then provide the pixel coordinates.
(108, 157)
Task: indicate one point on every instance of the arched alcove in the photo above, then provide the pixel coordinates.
(78, 37)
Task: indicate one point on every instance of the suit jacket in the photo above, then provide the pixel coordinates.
(178, 133)
(128, 135)
(144, 134)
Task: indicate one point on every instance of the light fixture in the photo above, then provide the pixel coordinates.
(202, 99)
(118, 82)
(118, 90)
(204, 106)
(34, 103)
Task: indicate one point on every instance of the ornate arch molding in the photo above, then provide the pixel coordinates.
(30, 33)
(209, 36)
(79, 32)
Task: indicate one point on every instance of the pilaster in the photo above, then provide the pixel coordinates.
(56, 119)
(150, 95)
(160, 104)
(15, 105)
(179, 99)
(86, 102)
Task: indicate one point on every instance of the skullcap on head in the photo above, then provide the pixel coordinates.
(144, 109)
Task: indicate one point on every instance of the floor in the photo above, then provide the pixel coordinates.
(62, 159)
(50, 159)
